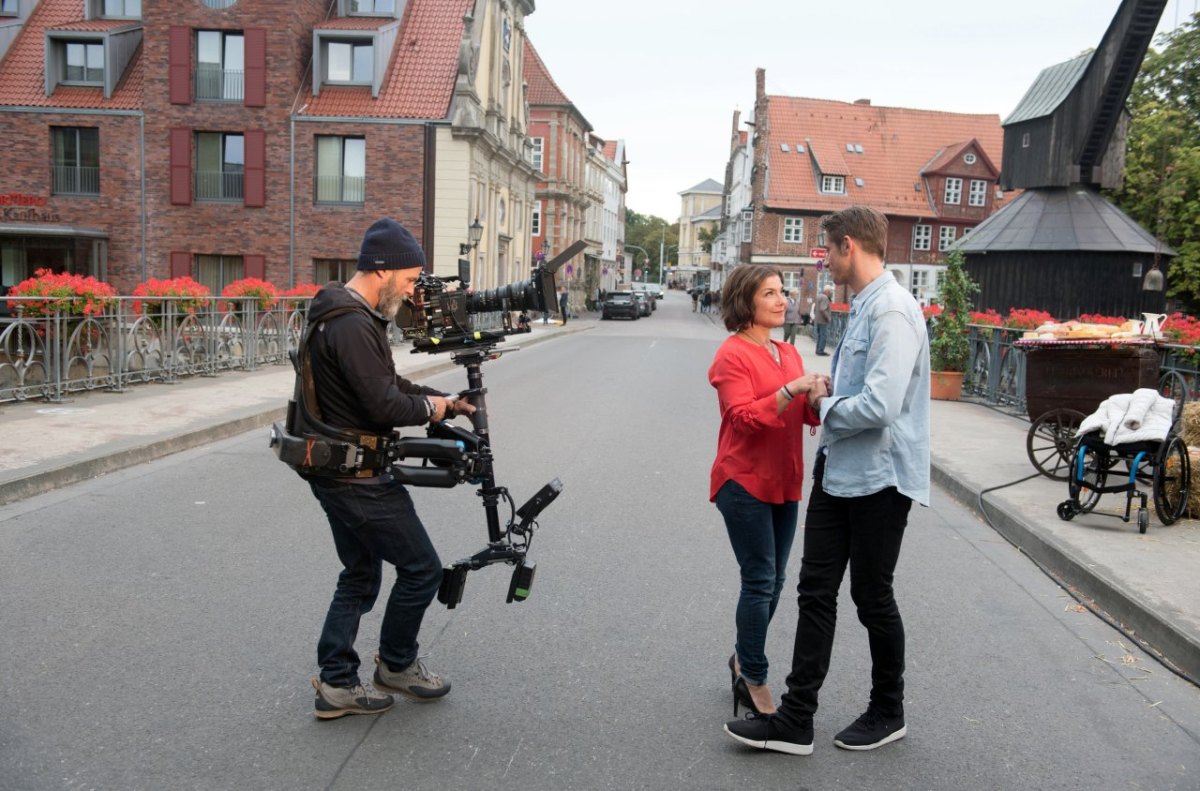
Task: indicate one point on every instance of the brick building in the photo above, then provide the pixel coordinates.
(933, 174)
(220, 139)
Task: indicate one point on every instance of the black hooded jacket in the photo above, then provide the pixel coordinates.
(355, 377)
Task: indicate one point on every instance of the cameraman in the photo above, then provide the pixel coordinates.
(372, 518)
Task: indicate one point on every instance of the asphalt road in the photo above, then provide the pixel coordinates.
(159, 624)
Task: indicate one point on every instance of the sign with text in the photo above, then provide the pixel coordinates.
(818, 252)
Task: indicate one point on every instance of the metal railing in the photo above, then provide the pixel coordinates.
(72, 179)
(217, 185)
(214, 83)
(341, 189)
(138, 339)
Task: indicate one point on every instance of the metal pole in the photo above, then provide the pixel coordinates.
(661, 243)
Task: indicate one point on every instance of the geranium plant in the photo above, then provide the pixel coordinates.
(72, 295)
(949, 346)
(264, 293)
(190, 296)
(301, 290)
(1026, 319)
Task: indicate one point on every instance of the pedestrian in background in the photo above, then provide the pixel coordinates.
(370, 514)
(791, 318)
(822, 315)
(757, 476)
(695, 299)
(872, 463)
(562, 304)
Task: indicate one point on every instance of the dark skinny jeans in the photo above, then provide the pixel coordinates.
(864, 532)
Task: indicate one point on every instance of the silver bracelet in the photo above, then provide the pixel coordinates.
(787, 394)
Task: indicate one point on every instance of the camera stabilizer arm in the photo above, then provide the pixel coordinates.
(461, 455)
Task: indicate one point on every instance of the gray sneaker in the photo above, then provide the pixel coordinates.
(414, 681)
(334, 702)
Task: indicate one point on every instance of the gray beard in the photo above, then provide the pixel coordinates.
(390, 301)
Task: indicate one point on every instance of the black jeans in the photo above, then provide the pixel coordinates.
(372, 523)
(865, 532)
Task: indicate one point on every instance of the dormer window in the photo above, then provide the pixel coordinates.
(349, 62)
(833, 185)
(978, 194)
(953, 194)
(373, 7)
(121, 9)
(9, 7)
(83, 63)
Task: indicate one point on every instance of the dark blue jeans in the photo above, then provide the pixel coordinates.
(864, 532)
(822, 337)
(373, 523)
(761, 535)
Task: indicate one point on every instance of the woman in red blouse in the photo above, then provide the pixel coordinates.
(765, 400)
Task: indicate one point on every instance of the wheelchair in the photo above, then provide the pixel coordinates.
(1162, 465)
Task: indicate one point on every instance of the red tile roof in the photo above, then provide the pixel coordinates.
(542, 87)
(421, 75)
(354, 23)
(954, 151)
(898, 144)
(23, 69)
(95, 25)
(610, 150)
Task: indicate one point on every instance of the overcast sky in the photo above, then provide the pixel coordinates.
(666, 75)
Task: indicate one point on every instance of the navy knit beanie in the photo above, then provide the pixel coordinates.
(388, 245)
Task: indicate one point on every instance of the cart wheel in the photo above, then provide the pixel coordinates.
(1172, 480)
(1050, 440)
(1066, 510)
(1084, 489)
(1143, 520)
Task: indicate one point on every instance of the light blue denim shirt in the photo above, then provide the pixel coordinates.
(875, 424)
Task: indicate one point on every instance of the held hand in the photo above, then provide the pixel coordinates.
(440, 407)
(817, 393)
(803, 384)
(459, 406)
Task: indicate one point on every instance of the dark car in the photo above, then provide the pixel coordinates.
(644, 303)
(620, 303)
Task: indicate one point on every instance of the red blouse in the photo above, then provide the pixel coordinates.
(761, 450)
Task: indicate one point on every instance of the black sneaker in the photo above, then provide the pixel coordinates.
(873, 729)
(766, 732)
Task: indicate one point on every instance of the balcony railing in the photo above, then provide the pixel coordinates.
(341, 189)
(217, 185)
(73, 180)
(220, 85)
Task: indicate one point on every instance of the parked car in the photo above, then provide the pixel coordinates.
(644, 303)
(620, 303)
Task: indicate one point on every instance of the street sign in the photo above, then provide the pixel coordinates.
(818, 252)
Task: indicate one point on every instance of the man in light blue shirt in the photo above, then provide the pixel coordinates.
(872, 464)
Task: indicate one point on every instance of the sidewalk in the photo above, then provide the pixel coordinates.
(1149, 583)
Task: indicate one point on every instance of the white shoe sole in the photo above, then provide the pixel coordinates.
(890, 738)
(779, 747)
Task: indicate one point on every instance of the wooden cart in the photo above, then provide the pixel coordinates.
(1065, 380)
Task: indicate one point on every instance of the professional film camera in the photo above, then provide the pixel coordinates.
(441, 319)
(438, 320)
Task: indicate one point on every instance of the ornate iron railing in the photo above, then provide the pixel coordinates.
(134, 340)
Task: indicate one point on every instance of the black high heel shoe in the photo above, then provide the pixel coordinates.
(741, 695)
(732, 669)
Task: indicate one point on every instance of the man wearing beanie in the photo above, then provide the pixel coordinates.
(372, 518)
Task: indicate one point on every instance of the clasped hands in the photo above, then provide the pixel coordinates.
(815, 387)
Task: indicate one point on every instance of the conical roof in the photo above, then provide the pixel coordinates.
(1071, 218)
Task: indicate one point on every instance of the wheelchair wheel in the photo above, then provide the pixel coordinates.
(1172, 480)
(1050, 441)
(1095, 475)
(1143, 518)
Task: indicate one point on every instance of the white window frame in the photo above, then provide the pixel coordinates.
(920, 279)
(792, 282)
(537, 156)
(747, 226)
(922, 236)
(355, 45)
(946, 236)
(793, 230)
(535, 225)
(833, 185)
(978, 194)
(952, 196)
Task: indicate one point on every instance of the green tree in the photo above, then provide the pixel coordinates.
(706, 236)
(1162, 161)
(949, 346)
(652, 234)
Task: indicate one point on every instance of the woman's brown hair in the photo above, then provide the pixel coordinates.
(737, 295)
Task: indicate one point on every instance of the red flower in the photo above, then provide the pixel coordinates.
(251, 288)
(73, 295)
